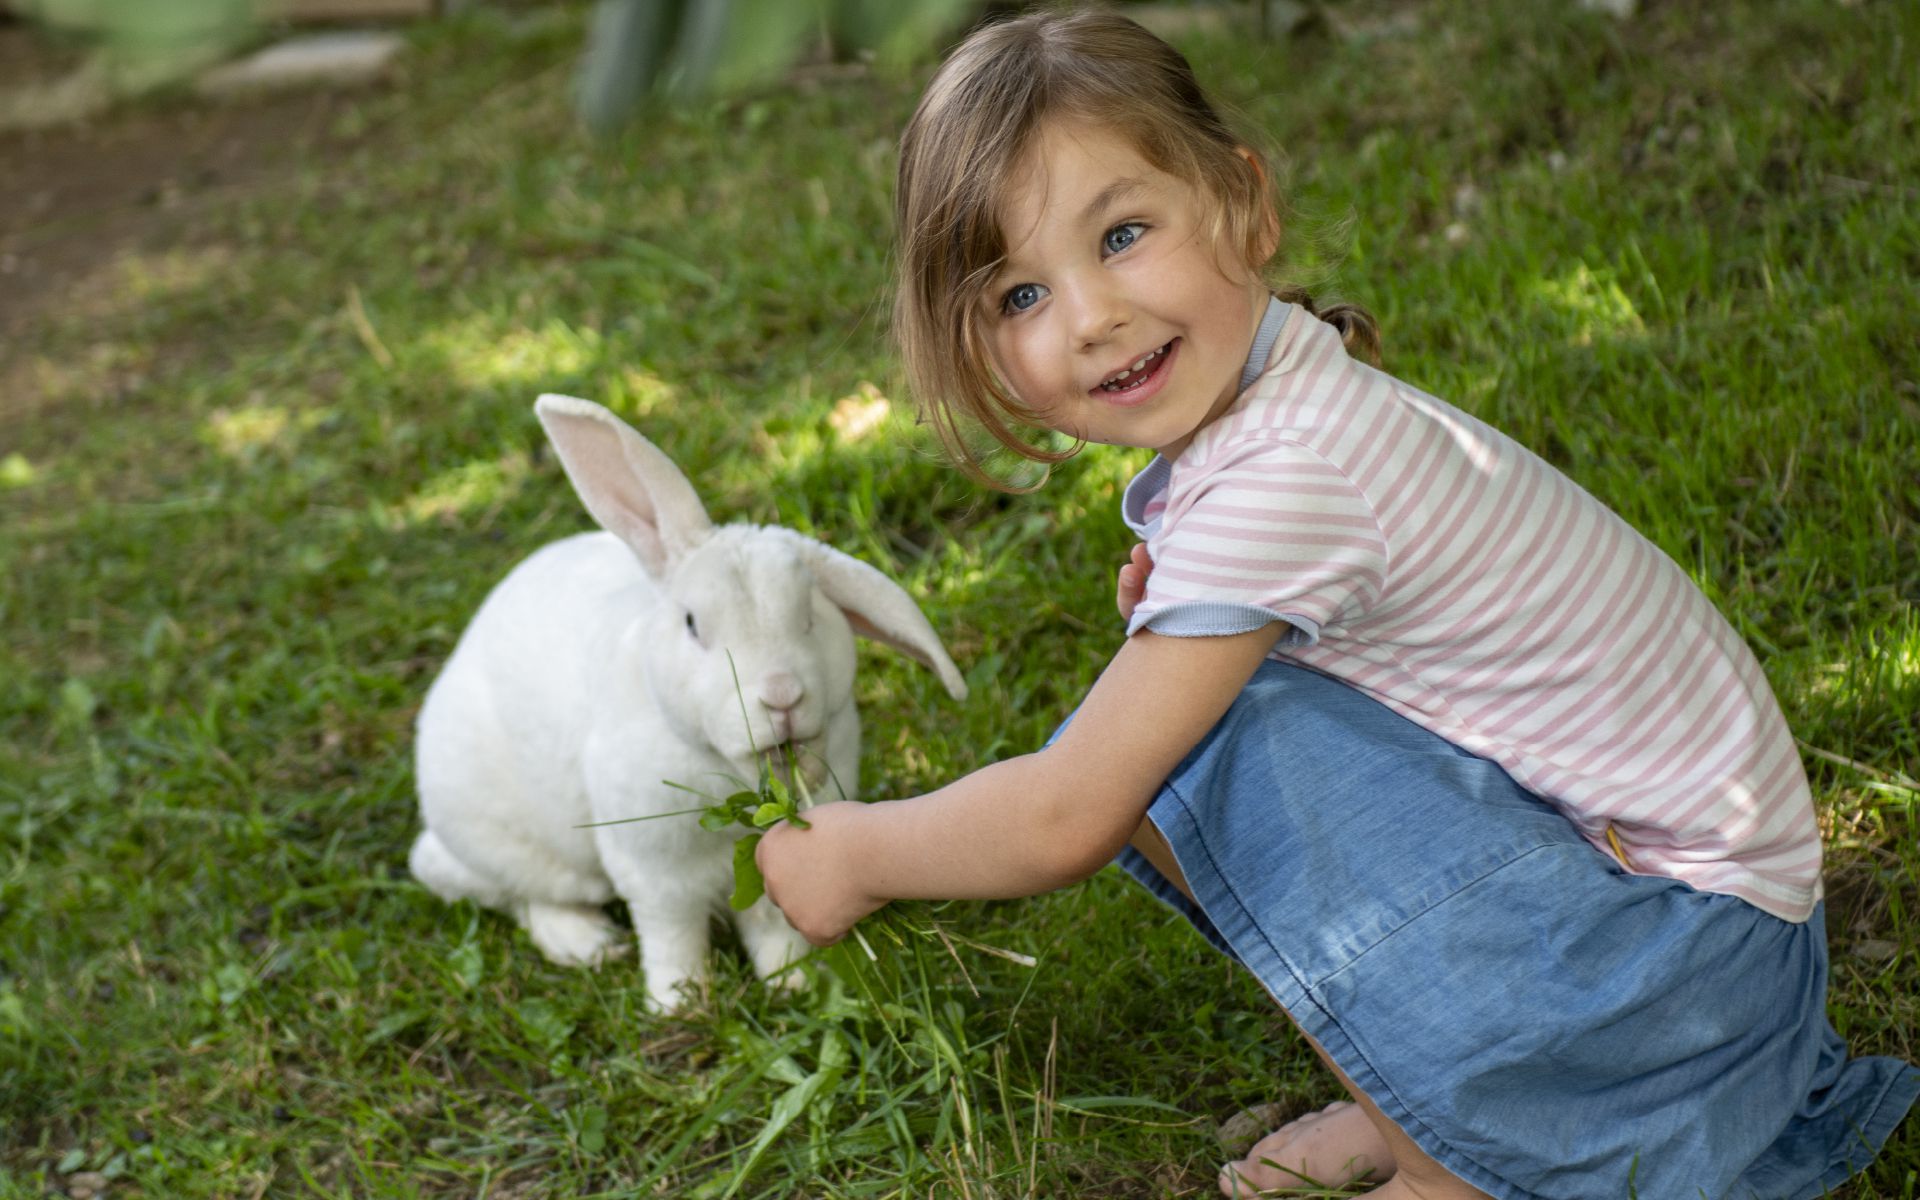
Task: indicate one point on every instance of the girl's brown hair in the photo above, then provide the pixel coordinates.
(966, 141)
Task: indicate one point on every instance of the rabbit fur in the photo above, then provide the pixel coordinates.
(604, 666)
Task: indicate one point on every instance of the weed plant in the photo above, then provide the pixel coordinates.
(257, 472)
(891, 1012)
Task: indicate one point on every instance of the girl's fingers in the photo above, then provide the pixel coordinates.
(1132, 583)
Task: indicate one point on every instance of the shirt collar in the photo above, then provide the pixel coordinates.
(1269, 332)
(1154, 476)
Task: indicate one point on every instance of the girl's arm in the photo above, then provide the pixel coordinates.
(1024, 825)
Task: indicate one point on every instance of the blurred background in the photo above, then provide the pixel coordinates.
(278, 285)
(679, 49)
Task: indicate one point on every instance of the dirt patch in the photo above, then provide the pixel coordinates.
(138, 180)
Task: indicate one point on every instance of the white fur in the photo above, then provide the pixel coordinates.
(578, 695)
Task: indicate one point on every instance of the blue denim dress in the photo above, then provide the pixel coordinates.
(1539, 1020)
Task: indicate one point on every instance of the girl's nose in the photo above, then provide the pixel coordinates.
(1098, 310)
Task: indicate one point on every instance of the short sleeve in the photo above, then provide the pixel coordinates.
(1263, 531)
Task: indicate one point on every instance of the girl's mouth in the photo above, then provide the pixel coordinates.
(1140, 378)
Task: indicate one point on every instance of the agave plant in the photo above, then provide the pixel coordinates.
(135, 46)
(684, 49)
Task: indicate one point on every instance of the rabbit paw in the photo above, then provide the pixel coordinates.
(773, 945)
(790, 980)
(671, 992)
(574, 935)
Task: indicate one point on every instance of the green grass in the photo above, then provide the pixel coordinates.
(264, 480)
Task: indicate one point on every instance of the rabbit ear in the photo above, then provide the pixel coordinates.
(632, 489)
(880, 609)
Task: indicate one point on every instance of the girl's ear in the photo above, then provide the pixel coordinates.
(1269, 232)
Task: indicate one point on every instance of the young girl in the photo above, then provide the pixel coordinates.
(1463, 769)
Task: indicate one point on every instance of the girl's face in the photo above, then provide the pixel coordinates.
(1112, 317)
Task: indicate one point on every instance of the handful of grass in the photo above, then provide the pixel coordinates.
(772, 801)
(759, 809)
(925, 1087)
(888, 972)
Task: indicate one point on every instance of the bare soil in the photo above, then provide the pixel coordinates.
(139, 179)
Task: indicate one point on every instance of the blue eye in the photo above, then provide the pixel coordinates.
(1121, 236)
(1022, 296)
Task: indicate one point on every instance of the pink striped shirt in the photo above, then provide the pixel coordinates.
(1427, 559)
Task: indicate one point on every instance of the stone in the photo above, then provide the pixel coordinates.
(344, 59)
(86, 1185)
(1875, 949)
(1238, 1133)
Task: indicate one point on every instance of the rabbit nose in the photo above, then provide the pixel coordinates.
(780, 691)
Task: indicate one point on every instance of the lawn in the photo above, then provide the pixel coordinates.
(252, 488)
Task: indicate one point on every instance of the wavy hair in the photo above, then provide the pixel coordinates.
(964, 145)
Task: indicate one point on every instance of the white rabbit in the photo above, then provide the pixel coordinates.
(601, 670)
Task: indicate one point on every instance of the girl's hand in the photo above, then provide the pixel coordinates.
(1133, 581)
(810, 875)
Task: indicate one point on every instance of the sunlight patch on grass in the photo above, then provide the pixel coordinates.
(480, 354)
(17, 472)
(136, 280)
(244, 432)
(1593, 302)
(239, 432)
(856, 416)
(147, 277)
(33, 382)
(482, 485)
(1092, 485)
(1903, 663)
(810, 429)
(638, 393)
(1889, 664)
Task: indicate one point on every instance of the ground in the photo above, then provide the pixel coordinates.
(266, 440)
(75, 198)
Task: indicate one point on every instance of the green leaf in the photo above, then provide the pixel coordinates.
(591, 1130)
(13, 1012)
(77, 702)
(467, 964)
(748, 885)
(233, 982)
(777, 788)
(767, 814)
(394, 1024)
(544, 1024)
(790, 1105)
(717, 818)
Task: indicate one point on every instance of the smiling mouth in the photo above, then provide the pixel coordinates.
(1138, 373)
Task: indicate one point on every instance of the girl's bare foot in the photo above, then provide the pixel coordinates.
(1331, 1148)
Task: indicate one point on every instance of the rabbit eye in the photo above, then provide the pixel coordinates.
(693, 629)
